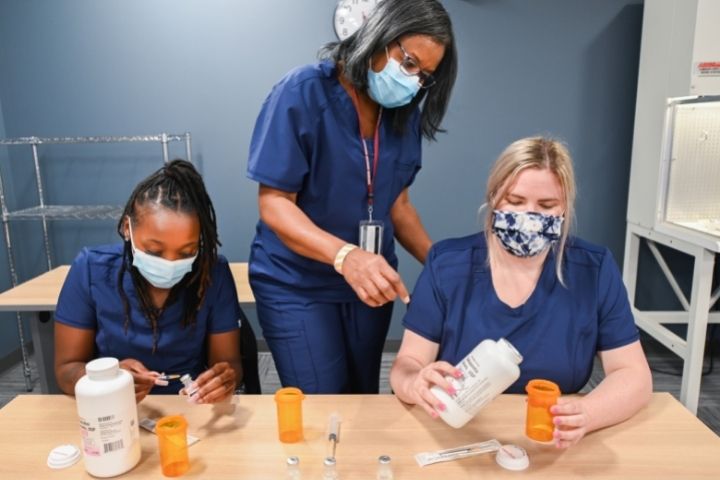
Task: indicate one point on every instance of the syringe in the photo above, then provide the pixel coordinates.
(334, 432)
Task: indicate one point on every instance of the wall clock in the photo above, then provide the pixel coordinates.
(350, 15)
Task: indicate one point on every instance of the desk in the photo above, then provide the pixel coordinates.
(662, 441)
(39, 296)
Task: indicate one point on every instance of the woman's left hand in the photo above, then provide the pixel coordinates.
(216, 383)
(571, 421)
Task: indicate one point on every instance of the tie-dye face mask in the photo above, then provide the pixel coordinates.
(526, 234)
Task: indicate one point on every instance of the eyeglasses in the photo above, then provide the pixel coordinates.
(410, 67)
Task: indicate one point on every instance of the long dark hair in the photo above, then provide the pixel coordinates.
(178, 187)
(390, 20)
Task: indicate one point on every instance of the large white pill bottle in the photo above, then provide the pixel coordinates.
(488, 370)
(106, 406)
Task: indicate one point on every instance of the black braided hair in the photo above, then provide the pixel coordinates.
(178, 187)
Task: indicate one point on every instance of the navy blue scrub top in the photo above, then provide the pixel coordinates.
(90, 299)
(558, 330)
(307, 141)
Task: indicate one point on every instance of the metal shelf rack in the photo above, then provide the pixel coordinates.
(45, 212)
(68, 212)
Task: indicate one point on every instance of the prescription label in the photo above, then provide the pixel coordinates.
(707, 69)
(474, 390)
(105, 434)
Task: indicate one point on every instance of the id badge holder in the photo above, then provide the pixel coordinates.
(371, 234)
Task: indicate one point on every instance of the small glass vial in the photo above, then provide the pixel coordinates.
(330, 469)
(293, 468)
(191, 388)
(384, 470)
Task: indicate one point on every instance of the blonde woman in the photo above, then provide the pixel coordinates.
(558, 299)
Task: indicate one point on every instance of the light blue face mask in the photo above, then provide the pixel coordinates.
(159, 272)
(390, 87)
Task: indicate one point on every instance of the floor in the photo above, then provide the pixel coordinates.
(666, 367)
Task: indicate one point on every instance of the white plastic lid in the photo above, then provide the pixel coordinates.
(512, 457)
(102, 368)
(63, 456)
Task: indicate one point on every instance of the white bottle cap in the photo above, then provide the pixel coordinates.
(512, 457)
(63, 456)
(103, 368)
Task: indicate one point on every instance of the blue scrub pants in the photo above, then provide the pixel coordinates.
(326, 347)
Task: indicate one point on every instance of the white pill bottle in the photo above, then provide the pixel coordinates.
(105, 399)
(488, 370)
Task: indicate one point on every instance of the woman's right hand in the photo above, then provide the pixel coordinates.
(432, 374)
(143, 378)
(373, 279)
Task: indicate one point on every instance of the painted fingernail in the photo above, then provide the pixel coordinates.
(458, 374)
(441, 407)
(451, 391)
(434, 414)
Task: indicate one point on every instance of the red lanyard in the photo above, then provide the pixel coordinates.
(370, 176)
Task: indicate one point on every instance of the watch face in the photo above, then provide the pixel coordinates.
(350, 15)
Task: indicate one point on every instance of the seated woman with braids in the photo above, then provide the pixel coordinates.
(162, 300)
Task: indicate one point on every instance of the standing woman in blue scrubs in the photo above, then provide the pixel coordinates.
(335, 149)
(558, 299)
(162, 300)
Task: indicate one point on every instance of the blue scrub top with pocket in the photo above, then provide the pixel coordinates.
(307, 141)
(90, 299)
(558, 330)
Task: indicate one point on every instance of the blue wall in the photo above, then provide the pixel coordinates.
(84, 67)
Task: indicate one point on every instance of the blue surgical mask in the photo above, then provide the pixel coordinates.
(390, 87)
(526, 234)
(159, 272)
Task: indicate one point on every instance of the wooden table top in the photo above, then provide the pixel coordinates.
(240, 441)
(41, 293)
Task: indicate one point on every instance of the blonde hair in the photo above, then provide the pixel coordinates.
(543, 154)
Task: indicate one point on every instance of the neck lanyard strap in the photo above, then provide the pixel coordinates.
(370, 174)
